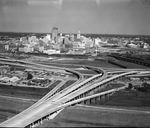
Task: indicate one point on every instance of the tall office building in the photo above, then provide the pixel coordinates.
(55, 34)
(72, 37)
(78, 35)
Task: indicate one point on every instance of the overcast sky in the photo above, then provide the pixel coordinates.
(88, 16)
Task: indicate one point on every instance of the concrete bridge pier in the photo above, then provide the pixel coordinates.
(87, 93)
(107, 96)
(75, 98)
(102, 87)
(102, 99)
(93, 100)
(98, 99)
(88, 102)
(96, 90)
(32, 125)
(82, 95)
(48, 117)
(41, 121)
(82, 102)
(91, 92)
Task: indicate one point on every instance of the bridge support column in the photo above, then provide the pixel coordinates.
(91, 92)
(96, 89)
(92, 100)
(95, 99)
(111, 94)
(88, 101)
(107, 97)
(32, 125)
(84, 101)
(84, 94)
(98, 99)
(76, 98)
(87, 93)
(100, 87)
(80, 96)
(102, 99)
(48, 117)
(41, 121)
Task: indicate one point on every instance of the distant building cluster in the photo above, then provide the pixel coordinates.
(28, 77)
(57, 43)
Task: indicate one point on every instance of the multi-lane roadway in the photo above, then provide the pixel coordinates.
(55, 100)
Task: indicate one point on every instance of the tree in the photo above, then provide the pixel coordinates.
(130, 86)
(29, 77)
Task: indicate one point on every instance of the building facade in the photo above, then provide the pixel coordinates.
(55, 35)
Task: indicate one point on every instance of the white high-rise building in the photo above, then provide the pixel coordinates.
(55, 34)
(48, 36)
(78, 35)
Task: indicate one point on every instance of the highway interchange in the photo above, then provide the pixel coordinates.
(79, 92)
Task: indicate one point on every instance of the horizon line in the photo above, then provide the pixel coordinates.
(76, 33)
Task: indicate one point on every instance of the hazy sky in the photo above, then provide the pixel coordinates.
(88, 16)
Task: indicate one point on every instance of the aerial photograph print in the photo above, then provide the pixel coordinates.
(74, 63)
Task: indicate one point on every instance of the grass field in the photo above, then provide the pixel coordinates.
(135, 99)
(12, 106)
(78, 116)
(76, 62)
(84, 116)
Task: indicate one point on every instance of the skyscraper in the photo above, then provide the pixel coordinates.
(78, 35)
(55, 34)
(72, 37)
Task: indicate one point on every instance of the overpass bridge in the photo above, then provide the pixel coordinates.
(52, 105)
(139, 62)
(81, 91)
(65, 91)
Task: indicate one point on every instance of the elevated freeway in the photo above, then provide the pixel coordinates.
(63, 92)
(132, 60)
(80, 91)
(46, 68)
(49, 106)
(88, 89)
